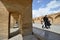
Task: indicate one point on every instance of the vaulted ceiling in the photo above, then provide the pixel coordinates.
(16, 5)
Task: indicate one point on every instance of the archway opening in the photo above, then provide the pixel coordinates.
(14, 24)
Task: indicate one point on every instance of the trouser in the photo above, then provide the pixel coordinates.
(46, 25)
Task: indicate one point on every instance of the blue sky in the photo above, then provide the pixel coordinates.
(44, 7)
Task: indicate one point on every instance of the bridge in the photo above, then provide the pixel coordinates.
(16, 22)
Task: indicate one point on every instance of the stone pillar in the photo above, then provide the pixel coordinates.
(26, 24)
(53, 19)
(12, 21)
(26, 21)
(4, 17)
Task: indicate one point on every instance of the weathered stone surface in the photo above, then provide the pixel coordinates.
(26, 21)
(4, 15)
(14, 17)
(54, 18)
(30, 37)
(24, 8)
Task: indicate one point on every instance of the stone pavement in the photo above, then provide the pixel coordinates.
(13, 30)
(47, 34)
(19, 36)
(53, 28)
(44, 34)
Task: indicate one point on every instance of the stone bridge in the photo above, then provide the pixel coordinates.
(54, 18)
(19, 11)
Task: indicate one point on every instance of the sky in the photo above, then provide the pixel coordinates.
(45, 7)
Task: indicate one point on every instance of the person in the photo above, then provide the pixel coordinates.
(46, 22)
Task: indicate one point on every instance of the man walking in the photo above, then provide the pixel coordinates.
(46, 22)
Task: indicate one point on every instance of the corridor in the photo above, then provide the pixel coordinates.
(44, 34)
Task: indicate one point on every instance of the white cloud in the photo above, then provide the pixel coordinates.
(35, 13)
(39, 1)
(46, 10)
(53, 4)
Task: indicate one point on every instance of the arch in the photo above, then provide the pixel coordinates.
(57, 16)
(38, 18)
(26, 24)
(51, 19)
(13, 33)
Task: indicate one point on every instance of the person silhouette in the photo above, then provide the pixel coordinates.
(46, 22)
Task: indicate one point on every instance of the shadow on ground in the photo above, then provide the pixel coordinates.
(14, 33)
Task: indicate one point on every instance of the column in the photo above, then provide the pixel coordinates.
(26, 21)
(4, 17)
(26, 24)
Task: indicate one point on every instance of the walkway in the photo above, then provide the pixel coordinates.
(17, 36)
(44, 34)
(47, 34)
(54, 28)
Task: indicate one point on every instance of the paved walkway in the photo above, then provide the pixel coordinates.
(53, 28)
(13, 30)
(19, 36)
(47, 34)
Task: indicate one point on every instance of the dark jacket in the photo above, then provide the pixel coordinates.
(47, 22)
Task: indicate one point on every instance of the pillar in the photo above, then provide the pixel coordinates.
(4, 18)
(26, 24)
(26, 21)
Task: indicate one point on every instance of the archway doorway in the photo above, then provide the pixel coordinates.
(14, 24)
